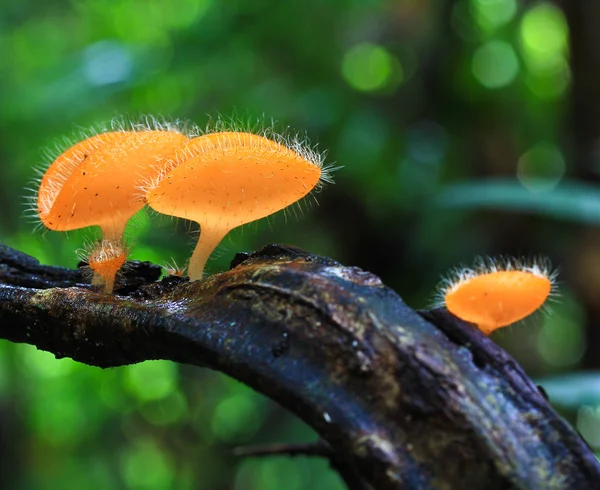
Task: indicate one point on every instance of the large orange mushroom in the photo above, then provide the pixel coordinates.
(100, 187)
(63, 167)
(96, 182)
(226, 179)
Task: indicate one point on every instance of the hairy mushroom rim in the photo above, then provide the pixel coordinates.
(498, 294)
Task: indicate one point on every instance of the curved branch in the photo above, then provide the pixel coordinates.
(405, 400)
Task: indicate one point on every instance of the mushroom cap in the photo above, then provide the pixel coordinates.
(107, 258)
(228, 179)
(498, 299)
(103, 187)
(63, 167)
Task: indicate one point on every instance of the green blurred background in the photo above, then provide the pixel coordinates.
(465, 128)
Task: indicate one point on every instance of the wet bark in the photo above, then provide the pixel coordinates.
(401, 399)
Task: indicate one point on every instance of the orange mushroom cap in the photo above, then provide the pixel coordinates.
(63, 167)
(498, 298)
(226, 179)
(106, 258)
(100, 187)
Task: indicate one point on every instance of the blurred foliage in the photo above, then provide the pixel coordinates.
(447, 117)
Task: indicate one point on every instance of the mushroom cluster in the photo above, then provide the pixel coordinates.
(220, 180)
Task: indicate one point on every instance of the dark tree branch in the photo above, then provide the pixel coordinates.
(309, 449)
(404, 400)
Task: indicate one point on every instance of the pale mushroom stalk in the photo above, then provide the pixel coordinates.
(115, 231)
(209, 239)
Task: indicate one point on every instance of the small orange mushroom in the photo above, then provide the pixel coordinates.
(226, 179)
(497, 296)
(105, 259)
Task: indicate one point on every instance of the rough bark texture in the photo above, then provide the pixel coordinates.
(405, 400)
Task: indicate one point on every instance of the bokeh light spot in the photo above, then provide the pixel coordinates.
(495, 64)
(492, 14)
(369, 67)
(169, 410)
(151, 380)
(541, 168)
(561, 343)
(588, 425)
(561, 340)
(544, 37)
(106, 62)
(145, 466)
(236, 418)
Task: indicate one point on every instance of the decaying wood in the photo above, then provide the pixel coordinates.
(405, 400)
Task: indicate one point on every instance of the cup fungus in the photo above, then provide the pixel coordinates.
(225, 179)
(96, 181)
(496, 295)
(105, 259)
(63, 167)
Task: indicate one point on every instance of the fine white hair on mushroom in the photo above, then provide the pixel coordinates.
(35, 207)
(231, 128)
(456, 277)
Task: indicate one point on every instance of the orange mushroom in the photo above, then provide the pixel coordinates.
(496, 296)
(105, 259)
(226, 179)
(96, 181)
(63, 167)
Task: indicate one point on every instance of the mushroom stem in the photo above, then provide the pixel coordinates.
(113, 232)
(487, 329)
(97, 280)
(208, 241)
(105, 259)
(109, 283)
